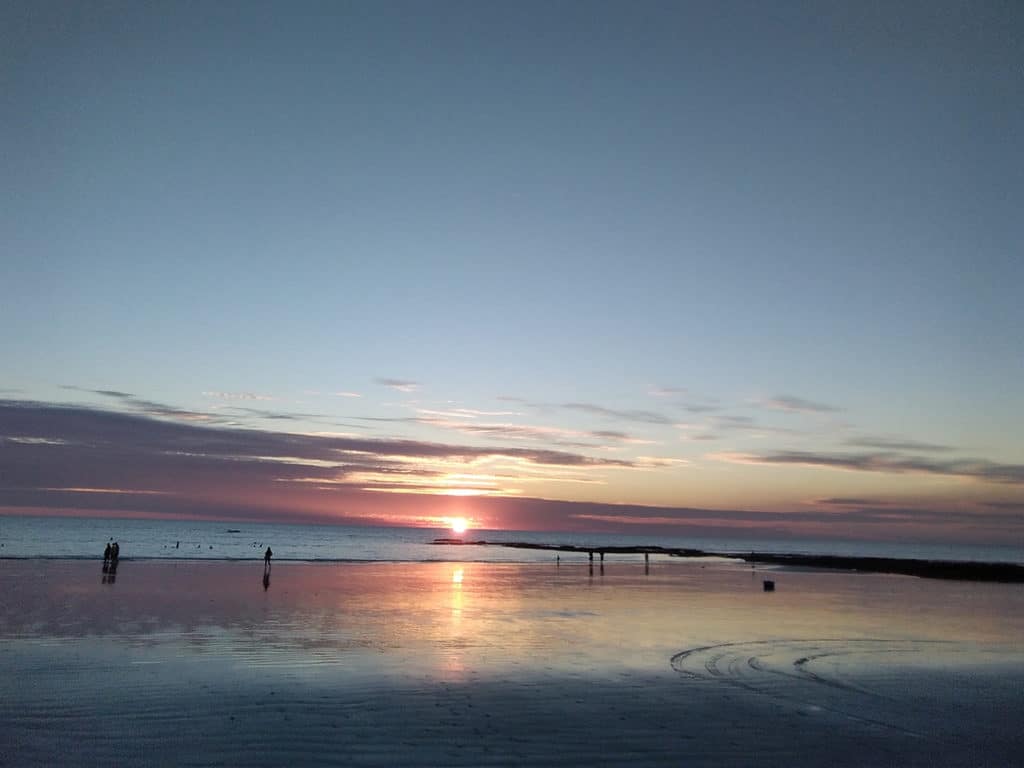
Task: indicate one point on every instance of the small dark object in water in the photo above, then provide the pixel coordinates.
(769, 585)
(233, 530)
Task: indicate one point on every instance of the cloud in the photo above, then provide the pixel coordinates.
(977, 469)
(50, 446)
(694, 403)
(749, 425)
(63, 459)
(400, 385)
(237, 395)
(1012, 506)
(700, 408)
(653, 462)
(611, 434)
(275, 415)
(503, 431)
(474, 412)
(645, 417)
(895, 444)
(792, 404)
(668, 391)
(113, 393)
(463, 423)
(347, 394)
(148, 407)
(849, 501)
(735, 422)
(870, 522)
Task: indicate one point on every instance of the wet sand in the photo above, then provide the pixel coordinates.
(196, 663)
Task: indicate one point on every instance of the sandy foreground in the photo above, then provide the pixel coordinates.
(201, 663)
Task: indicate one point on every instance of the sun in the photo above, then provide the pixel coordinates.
(459, 525)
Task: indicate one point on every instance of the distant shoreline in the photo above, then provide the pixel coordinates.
(1010, 573)
(962, 570)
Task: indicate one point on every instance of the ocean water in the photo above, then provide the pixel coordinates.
(84, 538)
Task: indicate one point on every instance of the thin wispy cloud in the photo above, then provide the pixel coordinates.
(792, 404)
(849, 501)
(897, 444)
(683, 398)
(735, 422)
(476, 413)
(891, 463)
(237, 395)
(262, 413)
(399, 385)
(115, 491)
(668, 391)
(346, 394)
(109, 393)
(700, 407)
(642, 416)
(508, 431)
(747, 425)
(1004, 504)
(147, 407)
(657, 462)
(865, 521)
(431, 413)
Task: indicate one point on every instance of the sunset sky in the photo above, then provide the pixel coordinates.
(645, 267)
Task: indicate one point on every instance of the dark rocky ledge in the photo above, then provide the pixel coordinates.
(931, 569)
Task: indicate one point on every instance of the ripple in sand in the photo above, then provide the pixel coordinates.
(894, 684)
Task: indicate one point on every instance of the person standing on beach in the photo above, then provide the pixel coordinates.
(266, 558)
(106, 554)
(115, 552)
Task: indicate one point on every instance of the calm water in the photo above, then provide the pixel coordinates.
(174, 539)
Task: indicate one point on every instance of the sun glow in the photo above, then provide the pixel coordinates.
(459, 525)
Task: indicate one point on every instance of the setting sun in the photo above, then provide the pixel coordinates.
(459, 525)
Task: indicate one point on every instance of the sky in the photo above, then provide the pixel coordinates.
(638, 267)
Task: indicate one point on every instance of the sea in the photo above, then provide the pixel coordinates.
(85, 538)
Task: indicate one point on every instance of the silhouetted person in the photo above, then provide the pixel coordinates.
(115, 552)
(106, 554)
(266, 558)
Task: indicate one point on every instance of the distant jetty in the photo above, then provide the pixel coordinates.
(929, 569)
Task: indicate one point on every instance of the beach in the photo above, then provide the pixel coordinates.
(684, 663)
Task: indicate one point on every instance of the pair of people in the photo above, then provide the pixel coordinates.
(111, 553)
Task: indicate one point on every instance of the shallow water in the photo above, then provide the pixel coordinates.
(474, 663)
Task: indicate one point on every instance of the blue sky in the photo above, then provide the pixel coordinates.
(805, 216)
